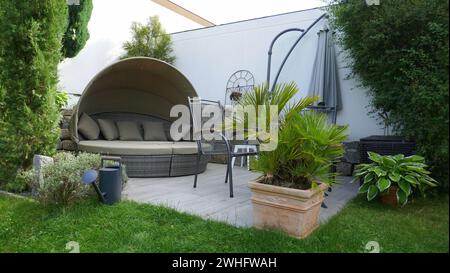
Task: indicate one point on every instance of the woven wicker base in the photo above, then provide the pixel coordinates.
(162, 165)
(147, 166)
(186, 165)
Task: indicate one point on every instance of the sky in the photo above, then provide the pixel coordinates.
(110, 23)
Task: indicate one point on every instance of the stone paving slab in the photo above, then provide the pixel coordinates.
(210, 200)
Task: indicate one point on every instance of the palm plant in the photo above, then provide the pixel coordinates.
(308, 146)
(281, 96)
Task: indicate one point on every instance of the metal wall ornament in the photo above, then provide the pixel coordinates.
(239, 83)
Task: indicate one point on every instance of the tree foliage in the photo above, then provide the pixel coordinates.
(30, 50)
(77, 32)
(399, 50)
(149, 40)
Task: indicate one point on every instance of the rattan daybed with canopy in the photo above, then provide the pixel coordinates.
(139, 90)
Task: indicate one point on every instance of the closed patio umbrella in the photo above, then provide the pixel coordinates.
(325, 81)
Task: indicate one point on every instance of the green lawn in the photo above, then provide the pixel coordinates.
(129, 227)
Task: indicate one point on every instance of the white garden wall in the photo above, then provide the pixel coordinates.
(209, 56)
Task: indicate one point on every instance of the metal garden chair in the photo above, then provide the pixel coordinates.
(219, 145)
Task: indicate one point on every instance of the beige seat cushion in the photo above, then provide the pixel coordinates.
(127, 147)
(188, 148)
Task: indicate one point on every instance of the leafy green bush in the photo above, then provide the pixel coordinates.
(30, 50)
(399, 50)
(308, 145)
(61, 184)
(149, 40)
(77, 32)
(61, 99)
(23, 182)
(408, 174)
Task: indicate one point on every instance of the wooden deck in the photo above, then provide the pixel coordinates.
(211, 200)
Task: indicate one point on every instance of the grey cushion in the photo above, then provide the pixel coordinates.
(88, 127)
(154, 131)
(117, 147)
(129, 131)
(108, 129)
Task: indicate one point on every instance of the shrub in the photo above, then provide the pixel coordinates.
(399, 50)
(308, 145)
(61, 184)
(61, 99)
(30, 50)
(408, 174)
(61, 181)
(77, 32)
(23, 182)
(149, 40)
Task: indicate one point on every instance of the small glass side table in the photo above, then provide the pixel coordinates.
(246, 148)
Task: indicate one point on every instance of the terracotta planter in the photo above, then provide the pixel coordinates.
(390, 198)
(294, 211)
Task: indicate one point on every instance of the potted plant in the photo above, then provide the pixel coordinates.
(394, 178)
(235, 96)
(295, 175)
(290, 192)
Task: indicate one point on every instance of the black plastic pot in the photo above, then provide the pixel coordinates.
(385, 145)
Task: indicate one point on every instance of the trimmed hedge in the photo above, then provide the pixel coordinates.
(30, 50)
(399, 50)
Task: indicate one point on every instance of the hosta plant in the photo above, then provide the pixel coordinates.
(408, 174)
